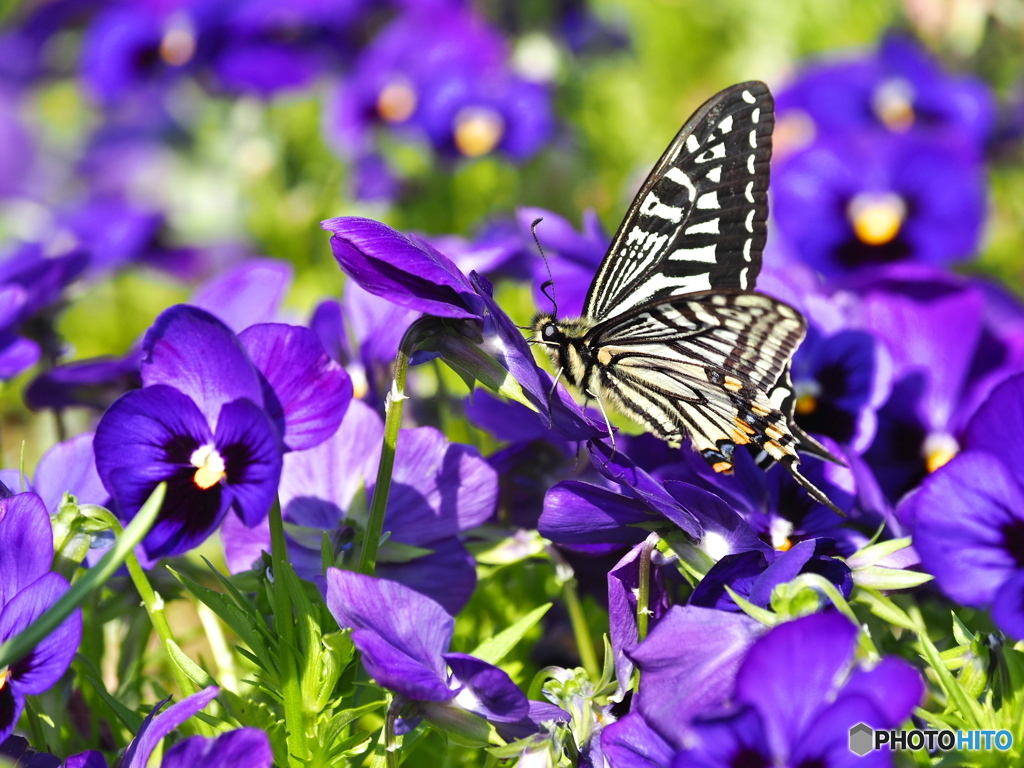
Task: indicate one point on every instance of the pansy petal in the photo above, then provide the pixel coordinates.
(12, 702)
(827, 740)
(391, 667)
(486, 690)
(156, 726)
(892, 685)
(541, 712)
(623, 588)
(49, 660)
(247, 294)
(736, 739)
(242, 544)
(70, 467)
(447, 575)
(252, 456)
(26, 543)
(631, 743)
(16, 355)
(408, 273)
(581, 513)
(397, 628)
(438, 488)
(998, 425)
(191, 350)
(309, 391)
(1008, 606)
(689, 662)
(968, 517)
(790, 672)
(245, 746)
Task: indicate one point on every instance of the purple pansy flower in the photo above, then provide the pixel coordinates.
(69, 467)
(439, 489)
(967, 518)
(899, 88)
(848, 202)
(213, 420)
(474, 336)
(404, 638)
(796, 699)
(27, 589)
(946, 359)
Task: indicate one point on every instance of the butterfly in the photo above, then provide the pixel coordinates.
(672, 333)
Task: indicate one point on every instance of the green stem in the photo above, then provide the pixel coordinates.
(291, 689)
(392, 423)
(643, 598)
(584, 642)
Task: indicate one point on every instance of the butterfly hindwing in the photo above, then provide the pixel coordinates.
(698, 222)
(701, 365)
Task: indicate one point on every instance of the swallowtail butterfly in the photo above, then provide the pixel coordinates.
(672, 333)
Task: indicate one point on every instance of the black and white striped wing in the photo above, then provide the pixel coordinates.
(698, 222)
(703, 366)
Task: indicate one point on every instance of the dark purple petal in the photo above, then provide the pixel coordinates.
(401, 634)
(631, 743)
(16, 355)
(892, 685)
(156, 726)
(1008, 606)
(447, 575)
(739, 572)
(12, 702)
(95, 383)
(730, 741)
(998, 425)
(540, 713)
(194, 352)
(438, 488)
(248, 442)
(827, 739)
(245, 746)
(49, 660)
(91, 758)
(245, 295)
(406, 272)
(639, 484)
(70, 466)
(688, 665)
(147, 437)
(792, 671)
(968, 520)
(26, 543)
(787, 566)
(581, 513)
(486, 690)
(309, 391)
(725, 530)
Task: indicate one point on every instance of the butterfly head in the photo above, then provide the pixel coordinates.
(563, 342)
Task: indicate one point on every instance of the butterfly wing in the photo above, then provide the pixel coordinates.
(706, 365)
(698, 222)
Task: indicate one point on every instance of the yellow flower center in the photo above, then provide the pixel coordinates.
(178, 45)
(807, 393)
(396, 101)
(209, 466)
(876, 216)
(938, 450)
(4, 675)
(893, 102)
(478, 130)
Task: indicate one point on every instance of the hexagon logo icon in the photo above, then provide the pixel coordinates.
(861, 739)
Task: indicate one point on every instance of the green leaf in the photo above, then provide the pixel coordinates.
(131, 719)
(22, 644)
(195, 673)
(496, 648)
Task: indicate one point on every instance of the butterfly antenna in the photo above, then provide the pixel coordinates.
(550, 282)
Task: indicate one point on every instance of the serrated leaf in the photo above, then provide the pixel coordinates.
(497, 647)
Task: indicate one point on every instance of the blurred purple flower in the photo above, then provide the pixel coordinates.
(27, 589)
(135, 51)
(16, 150)
(967, 518)
(900, 87)
(213, 419)
(854, 201)
(69, 467)
(263, 46)
(797, 693)
(404, 637)
(439, 490)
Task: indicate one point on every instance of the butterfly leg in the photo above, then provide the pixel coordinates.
(611, 431)
(551, 397)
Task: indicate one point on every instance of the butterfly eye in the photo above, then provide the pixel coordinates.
(550, 331)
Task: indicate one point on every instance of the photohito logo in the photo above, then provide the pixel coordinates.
(864, 739)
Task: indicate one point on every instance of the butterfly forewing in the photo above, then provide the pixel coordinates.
(698, 222)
